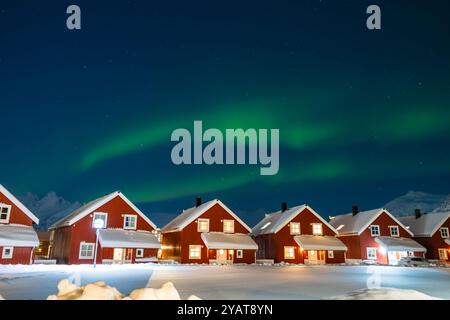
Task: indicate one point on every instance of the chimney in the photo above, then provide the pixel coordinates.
(198, 202)
(355, 210)
(417, 213)
(283, 206)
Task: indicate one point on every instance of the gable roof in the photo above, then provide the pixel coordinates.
(274, 222)
(93, 205)
(18, 204)
(189, 215)
(427, 224)
(348, 224)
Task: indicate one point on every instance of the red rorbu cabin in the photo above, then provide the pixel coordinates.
(125, 234)
(208, 233)
(297, 235)
(18, 239)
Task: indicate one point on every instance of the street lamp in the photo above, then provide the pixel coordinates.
(98, 224)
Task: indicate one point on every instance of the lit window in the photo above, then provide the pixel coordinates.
(139, 253)
(444, 233)
(372, 253)
(203, 225)
(100, 216)
(7, 252)
(330, 254)
(317, 229)
(228, 226)
(375, 231)
(443, 255)
(265, 225)
(195, 252)
(129, 221)
(86, 250)
(239, 254)
(295, 227)
(394, 231)
(289, 252)
(4, 213)
(340, 227)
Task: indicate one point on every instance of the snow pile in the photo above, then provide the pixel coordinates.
(384, 294)
(101, 291)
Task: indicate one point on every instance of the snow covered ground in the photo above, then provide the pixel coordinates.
(228, 282)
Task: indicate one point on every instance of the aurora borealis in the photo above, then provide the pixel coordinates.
(364, 116)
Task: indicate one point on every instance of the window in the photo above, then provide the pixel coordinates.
(129, 221)
(228, 226)
(295, 227)
(7, 252)
(100, 216)
(86, 250)
(195, 252)
(289, 252)
(330, 254)
(394, 231)
(372, 253)
(203, 225)
(375, 231)
(139, 253)
(317, 229)
(239, 253)
(444, 233)
(410, 253)
(4, 213)
(443, 255)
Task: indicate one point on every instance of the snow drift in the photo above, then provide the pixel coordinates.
(101, 291)
(384, 294)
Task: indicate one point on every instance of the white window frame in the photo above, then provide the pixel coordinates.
(293, 232)
(445, 255)
(125, 216)
(321, 229)
(398, 231)
(199, 247)
(371, 230)
(227, 231)
(445, 229)
(139, 253)
(286, 257)
(104, 214)
(239, 254)
(10, 255)
(8, 213)
(330, 254)
(198, 224)
(86, 257)
(376, 253)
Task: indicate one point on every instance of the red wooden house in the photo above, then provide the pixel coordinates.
(17, 236)
(297, 235)
(432, 231)
(126, 234)
(375, 236)
(208, 233)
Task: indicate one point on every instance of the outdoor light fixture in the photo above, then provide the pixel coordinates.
(98, 224)
(382, 250)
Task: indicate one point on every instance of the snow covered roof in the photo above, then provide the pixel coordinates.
(347, 224)
(189, 215)
(119, 238)
(274, 222)
(95, 204)
(15, 235)
(400, 244)
(236, 241)
(18, 204)
(427, 224)
(447, 241)
(320, 243)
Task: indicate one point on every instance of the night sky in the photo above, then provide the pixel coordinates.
(364, 116)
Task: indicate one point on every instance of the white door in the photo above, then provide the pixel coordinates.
(118, 255)
(221, 255)
(312, 256)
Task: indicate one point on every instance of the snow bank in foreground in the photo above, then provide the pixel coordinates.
(101, 291)
(385, 294)
(1, 298)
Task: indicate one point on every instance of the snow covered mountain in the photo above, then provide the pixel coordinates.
(49, 208)
(426, 202)
(445, 205)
